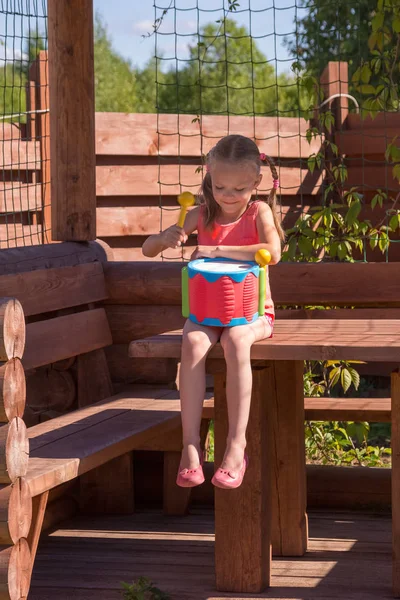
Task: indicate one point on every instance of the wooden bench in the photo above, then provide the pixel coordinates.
(373, 334)
(54, 316)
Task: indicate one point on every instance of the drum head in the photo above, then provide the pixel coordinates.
(221, 266)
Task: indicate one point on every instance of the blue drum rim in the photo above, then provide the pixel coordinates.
(217, 323)
(212, 277)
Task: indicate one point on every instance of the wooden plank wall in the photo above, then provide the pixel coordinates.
(144, 160)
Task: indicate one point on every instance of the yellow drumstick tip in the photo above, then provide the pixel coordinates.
(185, 199)
(262, 257)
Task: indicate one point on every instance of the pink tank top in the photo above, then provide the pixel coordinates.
(242, 232)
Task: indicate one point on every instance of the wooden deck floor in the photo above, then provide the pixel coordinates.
(86, 559)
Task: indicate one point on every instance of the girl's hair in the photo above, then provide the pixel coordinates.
(237, 149)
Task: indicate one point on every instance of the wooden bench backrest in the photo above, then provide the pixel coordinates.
(60, 303)
(292, 284)
(45, 295)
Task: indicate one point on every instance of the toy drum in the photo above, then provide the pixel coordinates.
(222, 292)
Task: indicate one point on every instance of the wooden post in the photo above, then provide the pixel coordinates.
(396, 482)
(243, 516)
(43, 119)
(285, 399)
(335, 80)
(72, 141)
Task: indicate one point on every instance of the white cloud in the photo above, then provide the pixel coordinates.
(143, 27)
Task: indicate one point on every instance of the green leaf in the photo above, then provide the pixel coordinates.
(355, 377)
(345, 379)
(353, 212)
(311, 162)
(366, 73)
(394, 222)
(305, 245)
(377, 21)
(366, 88)
(372, 40)
(383, 242)
(396, 24)
(342, 251)
(356, 75)
(396, 171)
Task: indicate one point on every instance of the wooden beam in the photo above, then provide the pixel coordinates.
(44, 139)
(72, 142)
(50, 256)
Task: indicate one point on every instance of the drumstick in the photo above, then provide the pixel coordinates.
(185, 199)
(262, 257)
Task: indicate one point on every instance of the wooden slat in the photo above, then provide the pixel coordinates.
(19, 154)
(129, 322)
(15, 235)
(124, 221)
(374, 410)
(122, 180)
(371, 176)
(365, 143)
(136, 134)
(18, 197)
(55, 339)
(155, 283)
(46, 290)
(383, 121)
(369, 341)
(77, 420)
(117, 426)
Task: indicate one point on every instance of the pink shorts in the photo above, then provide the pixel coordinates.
(270, 320)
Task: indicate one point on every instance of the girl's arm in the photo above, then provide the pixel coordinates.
(269, 240)
(172, 237)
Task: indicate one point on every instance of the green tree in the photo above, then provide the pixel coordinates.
(146, 87)
(332, 31)
(226, 73)
(13, 76)
(12, 93)
(115, 80)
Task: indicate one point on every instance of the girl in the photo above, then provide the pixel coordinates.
(230, 224)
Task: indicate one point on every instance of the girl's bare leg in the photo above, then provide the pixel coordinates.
(236, 342)
(197, 342)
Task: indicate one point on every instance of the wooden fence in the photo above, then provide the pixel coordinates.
(144, 160)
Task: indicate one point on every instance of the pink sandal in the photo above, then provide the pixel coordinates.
(188, 478)
(223, 480)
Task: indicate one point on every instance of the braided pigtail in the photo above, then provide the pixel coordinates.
(272, 198)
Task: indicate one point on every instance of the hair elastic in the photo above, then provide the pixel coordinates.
(276, 184)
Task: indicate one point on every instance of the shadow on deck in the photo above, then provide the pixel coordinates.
(349, 557)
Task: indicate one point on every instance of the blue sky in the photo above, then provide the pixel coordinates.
(128, 20)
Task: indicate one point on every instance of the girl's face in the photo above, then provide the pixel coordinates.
(233, 185)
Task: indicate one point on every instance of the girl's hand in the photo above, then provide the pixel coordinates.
(174, 237)
(204, 252)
